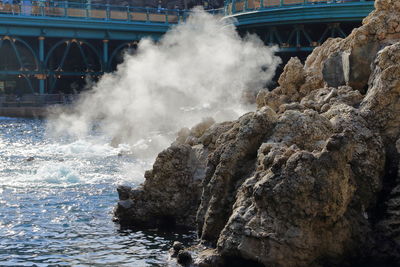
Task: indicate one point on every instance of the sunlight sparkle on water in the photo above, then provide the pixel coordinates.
(57, 208)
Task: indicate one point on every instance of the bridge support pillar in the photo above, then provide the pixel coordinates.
(41, 86)
(41, 66)
(105, 55)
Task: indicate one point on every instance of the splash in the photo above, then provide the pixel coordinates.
(198, 69)
(57, 173)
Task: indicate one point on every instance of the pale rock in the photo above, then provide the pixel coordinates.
(309, 179)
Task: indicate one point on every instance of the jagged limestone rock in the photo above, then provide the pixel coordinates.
(170, 194)
(312, 177)
(381, 105)
(291, 79)
(289, 86)
(357, 65)
(233, 158)
(323, 99)
(172, 189)
(333, 70)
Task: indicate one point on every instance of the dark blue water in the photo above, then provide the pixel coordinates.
(56, 208)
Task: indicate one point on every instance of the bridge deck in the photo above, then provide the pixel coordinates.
(243, 6)
(52, 47)
(297, 25)
(70, 10)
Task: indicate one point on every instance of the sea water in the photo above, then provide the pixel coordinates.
(57, 197)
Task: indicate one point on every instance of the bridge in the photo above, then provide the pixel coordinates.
(297, 26)
(48, 45)
(52, 46)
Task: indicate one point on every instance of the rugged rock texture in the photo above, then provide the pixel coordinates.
(289, 90)
(170, 194)
(389, 226)
(227, 168)
(381, 105)
(309, 179)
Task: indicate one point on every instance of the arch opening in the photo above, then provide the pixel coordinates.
(72, 64)
(73, 56)
(16, 55)
(117, 57)
(17, 62)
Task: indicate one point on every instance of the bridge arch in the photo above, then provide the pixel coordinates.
(23, 53)
(116, 58)
(69, 62)
(80, 45)
(17, 62)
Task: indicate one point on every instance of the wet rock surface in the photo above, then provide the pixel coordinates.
(311, 178)
(184, 258)
(169, 196)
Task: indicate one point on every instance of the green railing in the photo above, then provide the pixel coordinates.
(240, 6)
(93, 11)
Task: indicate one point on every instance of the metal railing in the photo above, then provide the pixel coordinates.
(93, 11)
(36, 100)
(239, 6)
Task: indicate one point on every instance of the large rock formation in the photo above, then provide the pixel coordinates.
(309, 179)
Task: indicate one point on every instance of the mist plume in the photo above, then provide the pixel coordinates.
(198, 69)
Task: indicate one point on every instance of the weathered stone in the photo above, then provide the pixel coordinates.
(381, 105)
(323, 99)
(357, 65)
(233, 157)
(170, 193)
(333, 70)
(184, 258)
(209, 258)
(289, 90)
(124, 192)
(270, 99)
(292, 78)
(309, 179)
(125, 204)
(201, 128)
(176, 248)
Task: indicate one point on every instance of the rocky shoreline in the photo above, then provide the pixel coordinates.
(311, 178)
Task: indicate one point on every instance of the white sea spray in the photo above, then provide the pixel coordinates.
(199, 69)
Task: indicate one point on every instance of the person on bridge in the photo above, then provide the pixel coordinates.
(8, 8)
(41, 4)
(26, 7)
